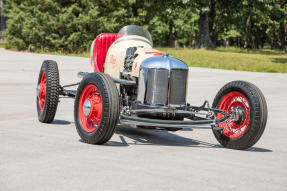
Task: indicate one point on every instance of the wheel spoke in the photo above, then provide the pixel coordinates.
(236, 103)
(92, 94)
(84, 121)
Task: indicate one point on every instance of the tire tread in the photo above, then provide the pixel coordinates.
(110, 113)
(52, 91)
(258, 116)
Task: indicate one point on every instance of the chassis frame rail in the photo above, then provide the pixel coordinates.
(196, 118)
(130, 120)
(202, 120)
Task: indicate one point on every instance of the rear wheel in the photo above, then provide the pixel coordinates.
(249, 115)
(47, 91)
(96, 109)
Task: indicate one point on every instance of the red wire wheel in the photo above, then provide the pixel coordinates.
(47, 91)
(96, 108)
(42, 92)
(231, 102)
(248, 109)
(90, 108)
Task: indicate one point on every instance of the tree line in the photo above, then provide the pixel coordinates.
(71, 25)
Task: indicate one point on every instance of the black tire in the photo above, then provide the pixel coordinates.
(110, 108)
(258, 115)
(47, 113)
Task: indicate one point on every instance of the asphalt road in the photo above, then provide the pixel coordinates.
(36, 156)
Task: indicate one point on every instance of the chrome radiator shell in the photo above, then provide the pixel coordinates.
(157, 87)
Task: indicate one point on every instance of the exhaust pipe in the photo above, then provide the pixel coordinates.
(116, 80)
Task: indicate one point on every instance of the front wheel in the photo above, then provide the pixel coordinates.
(248, 107)
(47, 91)
(96, 109)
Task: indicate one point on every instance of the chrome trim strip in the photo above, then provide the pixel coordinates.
(131, 38)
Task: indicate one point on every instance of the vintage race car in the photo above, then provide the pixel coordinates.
(133, 84)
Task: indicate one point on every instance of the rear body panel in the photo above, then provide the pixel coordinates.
(115, 58)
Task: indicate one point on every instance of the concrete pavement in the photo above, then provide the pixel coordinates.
(36, 156)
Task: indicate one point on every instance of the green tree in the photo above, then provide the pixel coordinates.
(71, 25)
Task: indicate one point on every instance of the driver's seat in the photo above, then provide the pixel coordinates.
(99, 49)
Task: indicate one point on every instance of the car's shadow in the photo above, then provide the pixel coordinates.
(61, 122)
(162, 137)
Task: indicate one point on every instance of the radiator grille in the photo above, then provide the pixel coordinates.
(157, 86)
(177, 92)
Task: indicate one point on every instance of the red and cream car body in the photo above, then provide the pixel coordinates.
(131, 83)
(132, 56)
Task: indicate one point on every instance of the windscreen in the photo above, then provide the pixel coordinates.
(135, 30)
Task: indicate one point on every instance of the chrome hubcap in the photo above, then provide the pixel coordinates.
(238, 114)
(87, 107)
(38, 90)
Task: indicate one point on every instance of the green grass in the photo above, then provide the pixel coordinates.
(261, 60)
(233, 59)
(2, 45)
(266, 51)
